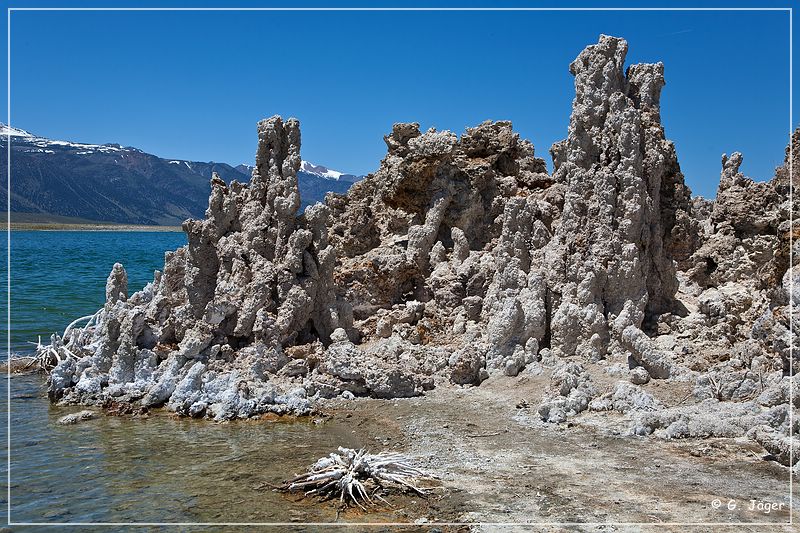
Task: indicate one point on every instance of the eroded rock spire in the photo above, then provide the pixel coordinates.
(610, 263)
(253, 279)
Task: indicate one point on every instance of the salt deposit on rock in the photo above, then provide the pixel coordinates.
(206, 334)
(461, 258)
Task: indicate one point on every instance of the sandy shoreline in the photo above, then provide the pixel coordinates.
(48, 226)
(497, 463)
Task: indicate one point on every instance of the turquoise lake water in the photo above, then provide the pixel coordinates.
(57, 276)
(112, 469)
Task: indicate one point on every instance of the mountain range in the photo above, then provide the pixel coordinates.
(59, 181)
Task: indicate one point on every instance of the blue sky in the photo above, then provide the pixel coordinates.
(192, 85)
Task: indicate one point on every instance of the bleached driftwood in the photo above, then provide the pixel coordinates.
(71, 344)
(350, 474)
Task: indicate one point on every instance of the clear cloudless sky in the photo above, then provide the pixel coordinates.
(192, 85)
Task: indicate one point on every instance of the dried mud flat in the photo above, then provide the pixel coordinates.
(502, 469)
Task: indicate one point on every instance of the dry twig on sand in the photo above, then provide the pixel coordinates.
(350, 474)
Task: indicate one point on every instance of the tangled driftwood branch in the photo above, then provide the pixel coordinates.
(349, 473)
(69, 345)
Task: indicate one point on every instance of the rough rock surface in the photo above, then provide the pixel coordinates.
(205, 334)
(74, 418)
(609, 261)
(435, 248)
(460, 258)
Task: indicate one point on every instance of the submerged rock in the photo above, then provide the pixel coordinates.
(74, 418)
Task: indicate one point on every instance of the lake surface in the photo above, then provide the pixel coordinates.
(158, 469)
(111, 469)
(58, 276)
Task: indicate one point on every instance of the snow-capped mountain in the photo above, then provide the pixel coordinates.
(310, 169)
(6, 130)
(52, 179)
(37, 144)
(326, 173)
(245, 169)
(111, 183)
(315, 181)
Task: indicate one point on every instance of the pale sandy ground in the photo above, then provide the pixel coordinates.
(500, 466)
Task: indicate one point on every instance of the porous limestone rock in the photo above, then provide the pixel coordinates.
(609, 260)
(639, 376)
(624, 398)
(785, 448)
(206, 335)
(571, 389)
(461, 258)
(435, 248)
(74, 418)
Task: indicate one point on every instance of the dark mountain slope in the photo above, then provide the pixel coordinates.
(111, 183)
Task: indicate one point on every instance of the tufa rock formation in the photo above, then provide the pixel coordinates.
(203, 337)
(461, 257)
(609, 263)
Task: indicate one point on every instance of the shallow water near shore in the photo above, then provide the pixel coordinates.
(118, 469)
(163, 468)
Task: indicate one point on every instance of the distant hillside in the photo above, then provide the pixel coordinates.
(111, 183)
